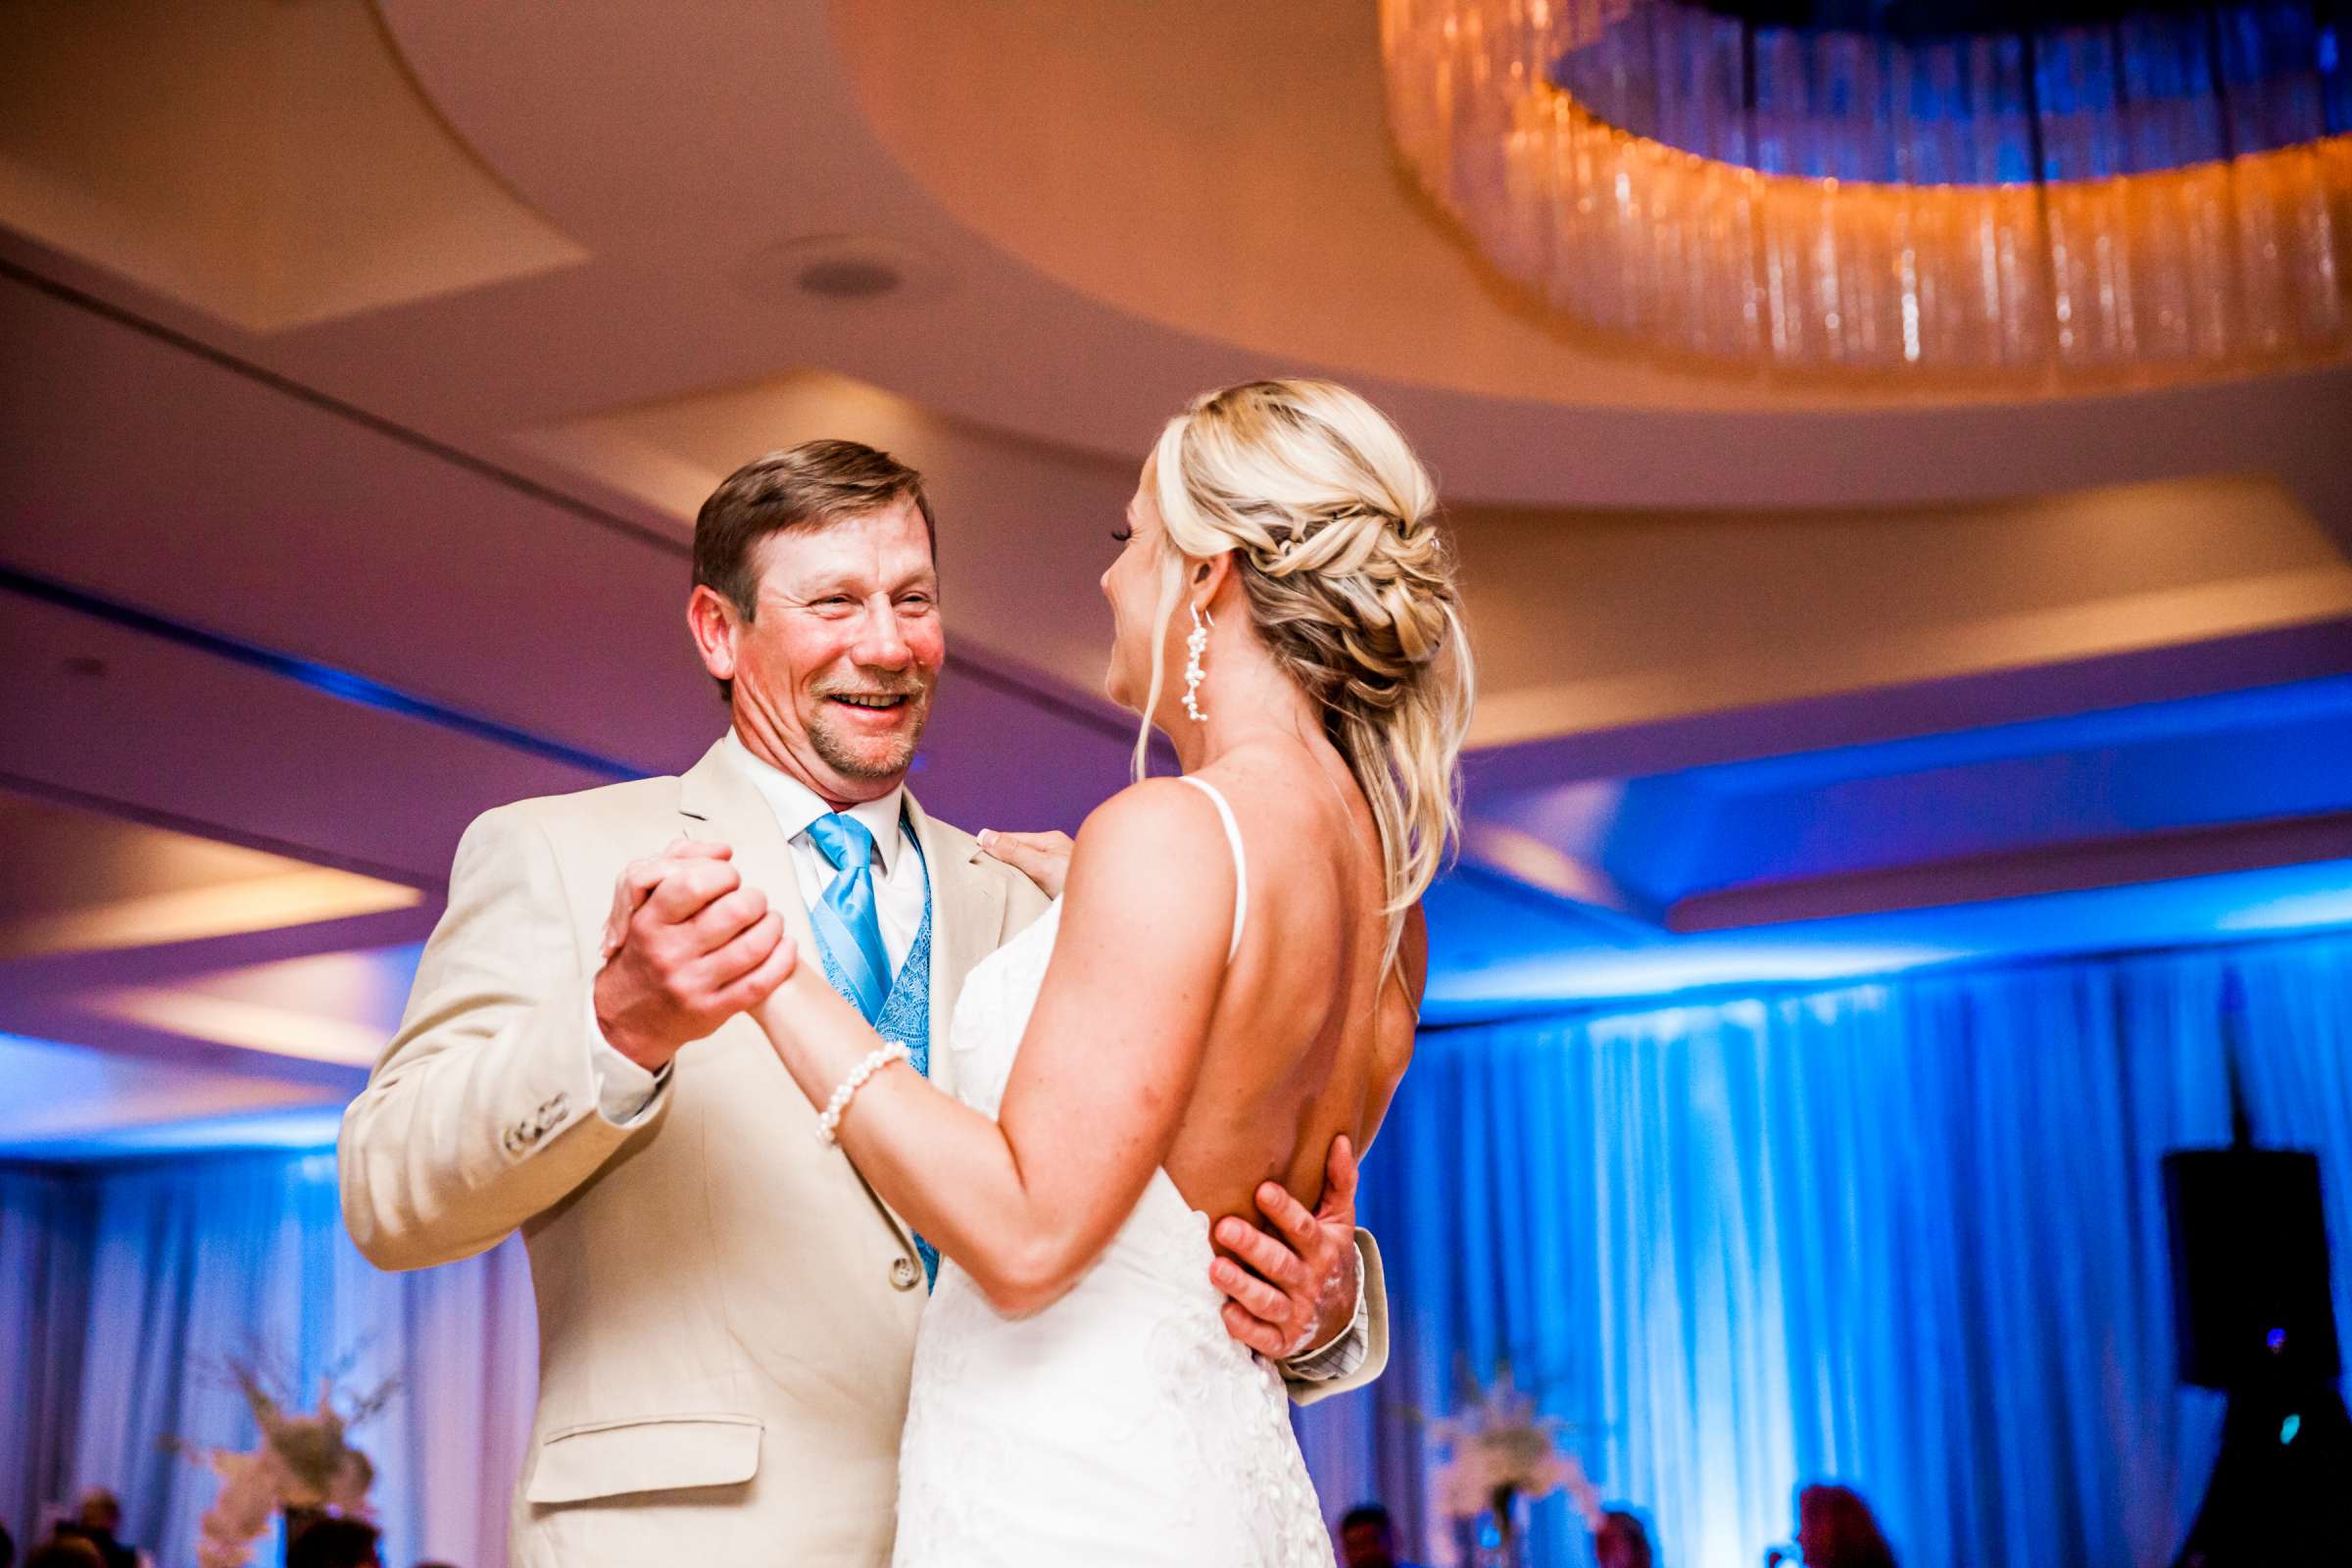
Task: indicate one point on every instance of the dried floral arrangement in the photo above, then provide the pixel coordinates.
(304, 1460)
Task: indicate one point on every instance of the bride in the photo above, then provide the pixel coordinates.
(1228, 980)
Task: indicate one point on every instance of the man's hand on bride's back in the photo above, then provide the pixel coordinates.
(1043, 858)
(686, 948)
(1298, 1291)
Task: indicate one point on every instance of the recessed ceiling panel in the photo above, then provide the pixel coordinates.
(339, 1007)
(80, 882)
(1601, 619)
(270, 164)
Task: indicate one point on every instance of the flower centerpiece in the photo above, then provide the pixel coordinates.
(304, 1464)
(1503, 1453)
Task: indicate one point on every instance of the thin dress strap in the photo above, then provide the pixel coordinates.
(1241, 862)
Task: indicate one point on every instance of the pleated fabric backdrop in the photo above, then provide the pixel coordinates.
(1908, 1235)
(183, 1264)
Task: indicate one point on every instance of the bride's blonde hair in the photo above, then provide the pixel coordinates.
(1331, 520)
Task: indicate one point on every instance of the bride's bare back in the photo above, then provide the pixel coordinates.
(1307, 1039)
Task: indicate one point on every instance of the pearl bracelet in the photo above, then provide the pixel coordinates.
(873, 1063)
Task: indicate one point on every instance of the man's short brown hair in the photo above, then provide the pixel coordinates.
(813, 485)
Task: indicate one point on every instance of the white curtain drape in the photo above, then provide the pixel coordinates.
(184, 1264)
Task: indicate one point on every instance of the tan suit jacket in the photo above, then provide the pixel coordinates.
(727, 1311)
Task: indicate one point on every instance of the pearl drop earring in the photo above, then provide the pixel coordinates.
(1194, 646)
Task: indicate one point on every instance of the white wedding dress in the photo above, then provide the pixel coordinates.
(1121, 1425)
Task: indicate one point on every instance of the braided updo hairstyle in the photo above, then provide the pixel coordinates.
(1332, 524)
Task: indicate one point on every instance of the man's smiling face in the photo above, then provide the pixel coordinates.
(834, 674)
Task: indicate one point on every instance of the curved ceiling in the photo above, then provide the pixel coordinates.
(1224, 171)
(1100, 211)
(1199, 203)
(280, 171)
(1228, 171)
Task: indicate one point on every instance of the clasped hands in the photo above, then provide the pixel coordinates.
(686, 946)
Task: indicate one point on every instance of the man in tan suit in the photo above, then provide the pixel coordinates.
(726, 1311)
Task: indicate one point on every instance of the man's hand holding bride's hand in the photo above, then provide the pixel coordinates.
(1043, 858)
(686, 948)
(1299, 1289)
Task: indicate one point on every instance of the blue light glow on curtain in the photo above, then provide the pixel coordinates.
(1908, 1236)
(185, 1264)
(45, 1234)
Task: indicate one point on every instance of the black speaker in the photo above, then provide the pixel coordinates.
(2250, 1300)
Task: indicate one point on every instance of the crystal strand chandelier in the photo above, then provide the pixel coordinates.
(1991, 191)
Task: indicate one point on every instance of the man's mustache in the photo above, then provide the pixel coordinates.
(908, 685)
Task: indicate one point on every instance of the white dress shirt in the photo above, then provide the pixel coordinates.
(901, 889)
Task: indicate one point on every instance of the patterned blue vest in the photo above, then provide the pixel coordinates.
(907, 1010)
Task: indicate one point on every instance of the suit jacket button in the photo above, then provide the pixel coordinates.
(903, 1273)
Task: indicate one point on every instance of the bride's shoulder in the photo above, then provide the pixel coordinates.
(1148, 863)
(1148, 827)
(1152, 809)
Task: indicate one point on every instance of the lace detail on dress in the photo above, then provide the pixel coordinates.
(1121, 1424)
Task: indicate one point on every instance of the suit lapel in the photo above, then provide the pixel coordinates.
(967, 910)
(719, 804)
(723, 806)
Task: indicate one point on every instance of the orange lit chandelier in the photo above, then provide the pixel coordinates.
(1988, 189)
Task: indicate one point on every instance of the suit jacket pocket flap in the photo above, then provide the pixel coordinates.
(655, 1454)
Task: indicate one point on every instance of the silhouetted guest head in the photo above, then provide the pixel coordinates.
(8, 1548)
(98, 1522)
(1367, 1538)
(335, 1543)
(1622, 1541)
(1836, 1528)
(65, 1552)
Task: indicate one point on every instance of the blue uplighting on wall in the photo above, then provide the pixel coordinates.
(71, 1104)
(2277, 758)
(1488, 963)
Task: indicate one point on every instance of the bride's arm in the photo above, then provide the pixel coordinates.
(1024, 1203)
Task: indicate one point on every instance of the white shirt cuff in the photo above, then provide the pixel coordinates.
(1344, 1352)
(625, 1092)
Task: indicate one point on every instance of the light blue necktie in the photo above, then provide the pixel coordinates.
(845, 918)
